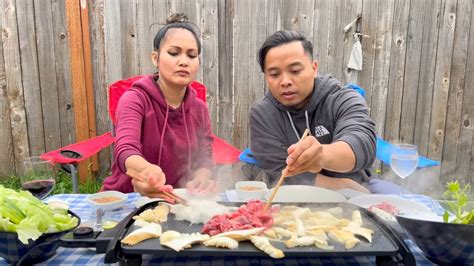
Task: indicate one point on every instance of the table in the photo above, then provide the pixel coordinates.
(84, 256)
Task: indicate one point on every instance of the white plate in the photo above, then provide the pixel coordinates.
(182, 192)
(350, 193)
(300, 193)
(406, 207)
(107, 206)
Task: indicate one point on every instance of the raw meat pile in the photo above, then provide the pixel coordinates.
(248, 216)
(386, 207)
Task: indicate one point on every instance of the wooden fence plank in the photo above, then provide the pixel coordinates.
(102, 120)
(88, 76)
(320, 35)
(7, 157)
(210, 54)
(350, 11)
(11, 54)
(47, 74)
(397, 69)
(412, 65)
(442, 79)
(273, 19)
(161, 11)
(225, 95)
(382, 41)
(79, 90)
(383, 38)
(297, 16)
(427, 72)
(248, 80)
(29, 68)
(335, 46)
(63, 73)
(465, 158)
(128, 26)
(456, 92)
(113, 37)
(145, 36)
(369, 28)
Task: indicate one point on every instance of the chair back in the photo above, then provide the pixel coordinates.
(118, 88)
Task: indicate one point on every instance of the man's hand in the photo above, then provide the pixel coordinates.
(335, 183)
(305, 156)
(148, 180)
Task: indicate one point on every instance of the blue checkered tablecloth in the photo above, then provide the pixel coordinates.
(84, 256)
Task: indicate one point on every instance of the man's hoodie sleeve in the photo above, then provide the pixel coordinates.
(354, 126)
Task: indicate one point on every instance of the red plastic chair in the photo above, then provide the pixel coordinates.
(70, 155)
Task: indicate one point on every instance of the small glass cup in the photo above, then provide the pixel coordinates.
(403, 161)
(39, 176)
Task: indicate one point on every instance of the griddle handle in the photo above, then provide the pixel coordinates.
(113, 248)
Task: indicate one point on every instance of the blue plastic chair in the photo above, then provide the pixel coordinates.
(383, 148)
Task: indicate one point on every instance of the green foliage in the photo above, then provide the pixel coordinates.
(460, 199)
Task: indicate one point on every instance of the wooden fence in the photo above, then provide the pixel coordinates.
(416, 61)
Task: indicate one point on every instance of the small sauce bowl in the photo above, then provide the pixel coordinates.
(248, 190)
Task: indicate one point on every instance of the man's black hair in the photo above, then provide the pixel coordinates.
(279, 38)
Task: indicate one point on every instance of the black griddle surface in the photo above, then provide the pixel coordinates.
(382, 244)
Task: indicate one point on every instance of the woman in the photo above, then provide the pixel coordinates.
(163, 132)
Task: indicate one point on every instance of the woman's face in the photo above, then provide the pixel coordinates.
(178, 58)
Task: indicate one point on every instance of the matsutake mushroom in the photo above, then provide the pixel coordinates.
(264, 245)
(152, 230)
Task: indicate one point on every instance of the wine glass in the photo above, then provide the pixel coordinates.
(404, 160)
(39, 176)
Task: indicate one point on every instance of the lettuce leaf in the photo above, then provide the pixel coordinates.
(29, 217)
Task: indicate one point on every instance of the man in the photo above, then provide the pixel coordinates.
(341, 145)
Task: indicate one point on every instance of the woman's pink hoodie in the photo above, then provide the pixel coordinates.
(178, 140)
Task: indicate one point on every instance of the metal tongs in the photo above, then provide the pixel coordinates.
(166, 190)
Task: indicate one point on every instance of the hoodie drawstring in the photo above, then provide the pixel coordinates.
(293, 124)
(187, 138)
(163, 133)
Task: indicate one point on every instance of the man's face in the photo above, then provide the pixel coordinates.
(290, 74)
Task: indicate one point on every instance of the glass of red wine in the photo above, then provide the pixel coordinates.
(39, 176)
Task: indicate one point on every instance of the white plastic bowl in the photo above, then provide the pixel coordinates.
(107, 206)
(248, 190)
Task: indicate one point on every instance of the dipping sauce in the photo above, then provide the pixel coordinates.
(108, 199)
(250, 188)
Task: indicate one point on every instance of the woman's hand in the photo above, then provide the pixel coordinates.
(148, 180)
(202, 183)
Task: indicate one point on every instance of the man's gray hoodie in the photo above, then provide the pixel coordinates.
(334, 113)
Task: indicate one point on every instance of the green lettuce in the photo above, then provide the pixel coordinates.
(29, 217)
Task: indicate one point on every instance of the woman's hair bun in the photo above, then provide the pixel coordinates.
(177, 18)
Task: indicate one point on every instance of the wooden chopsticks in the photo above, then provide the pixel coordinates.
(284, 173)
(170, 194)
